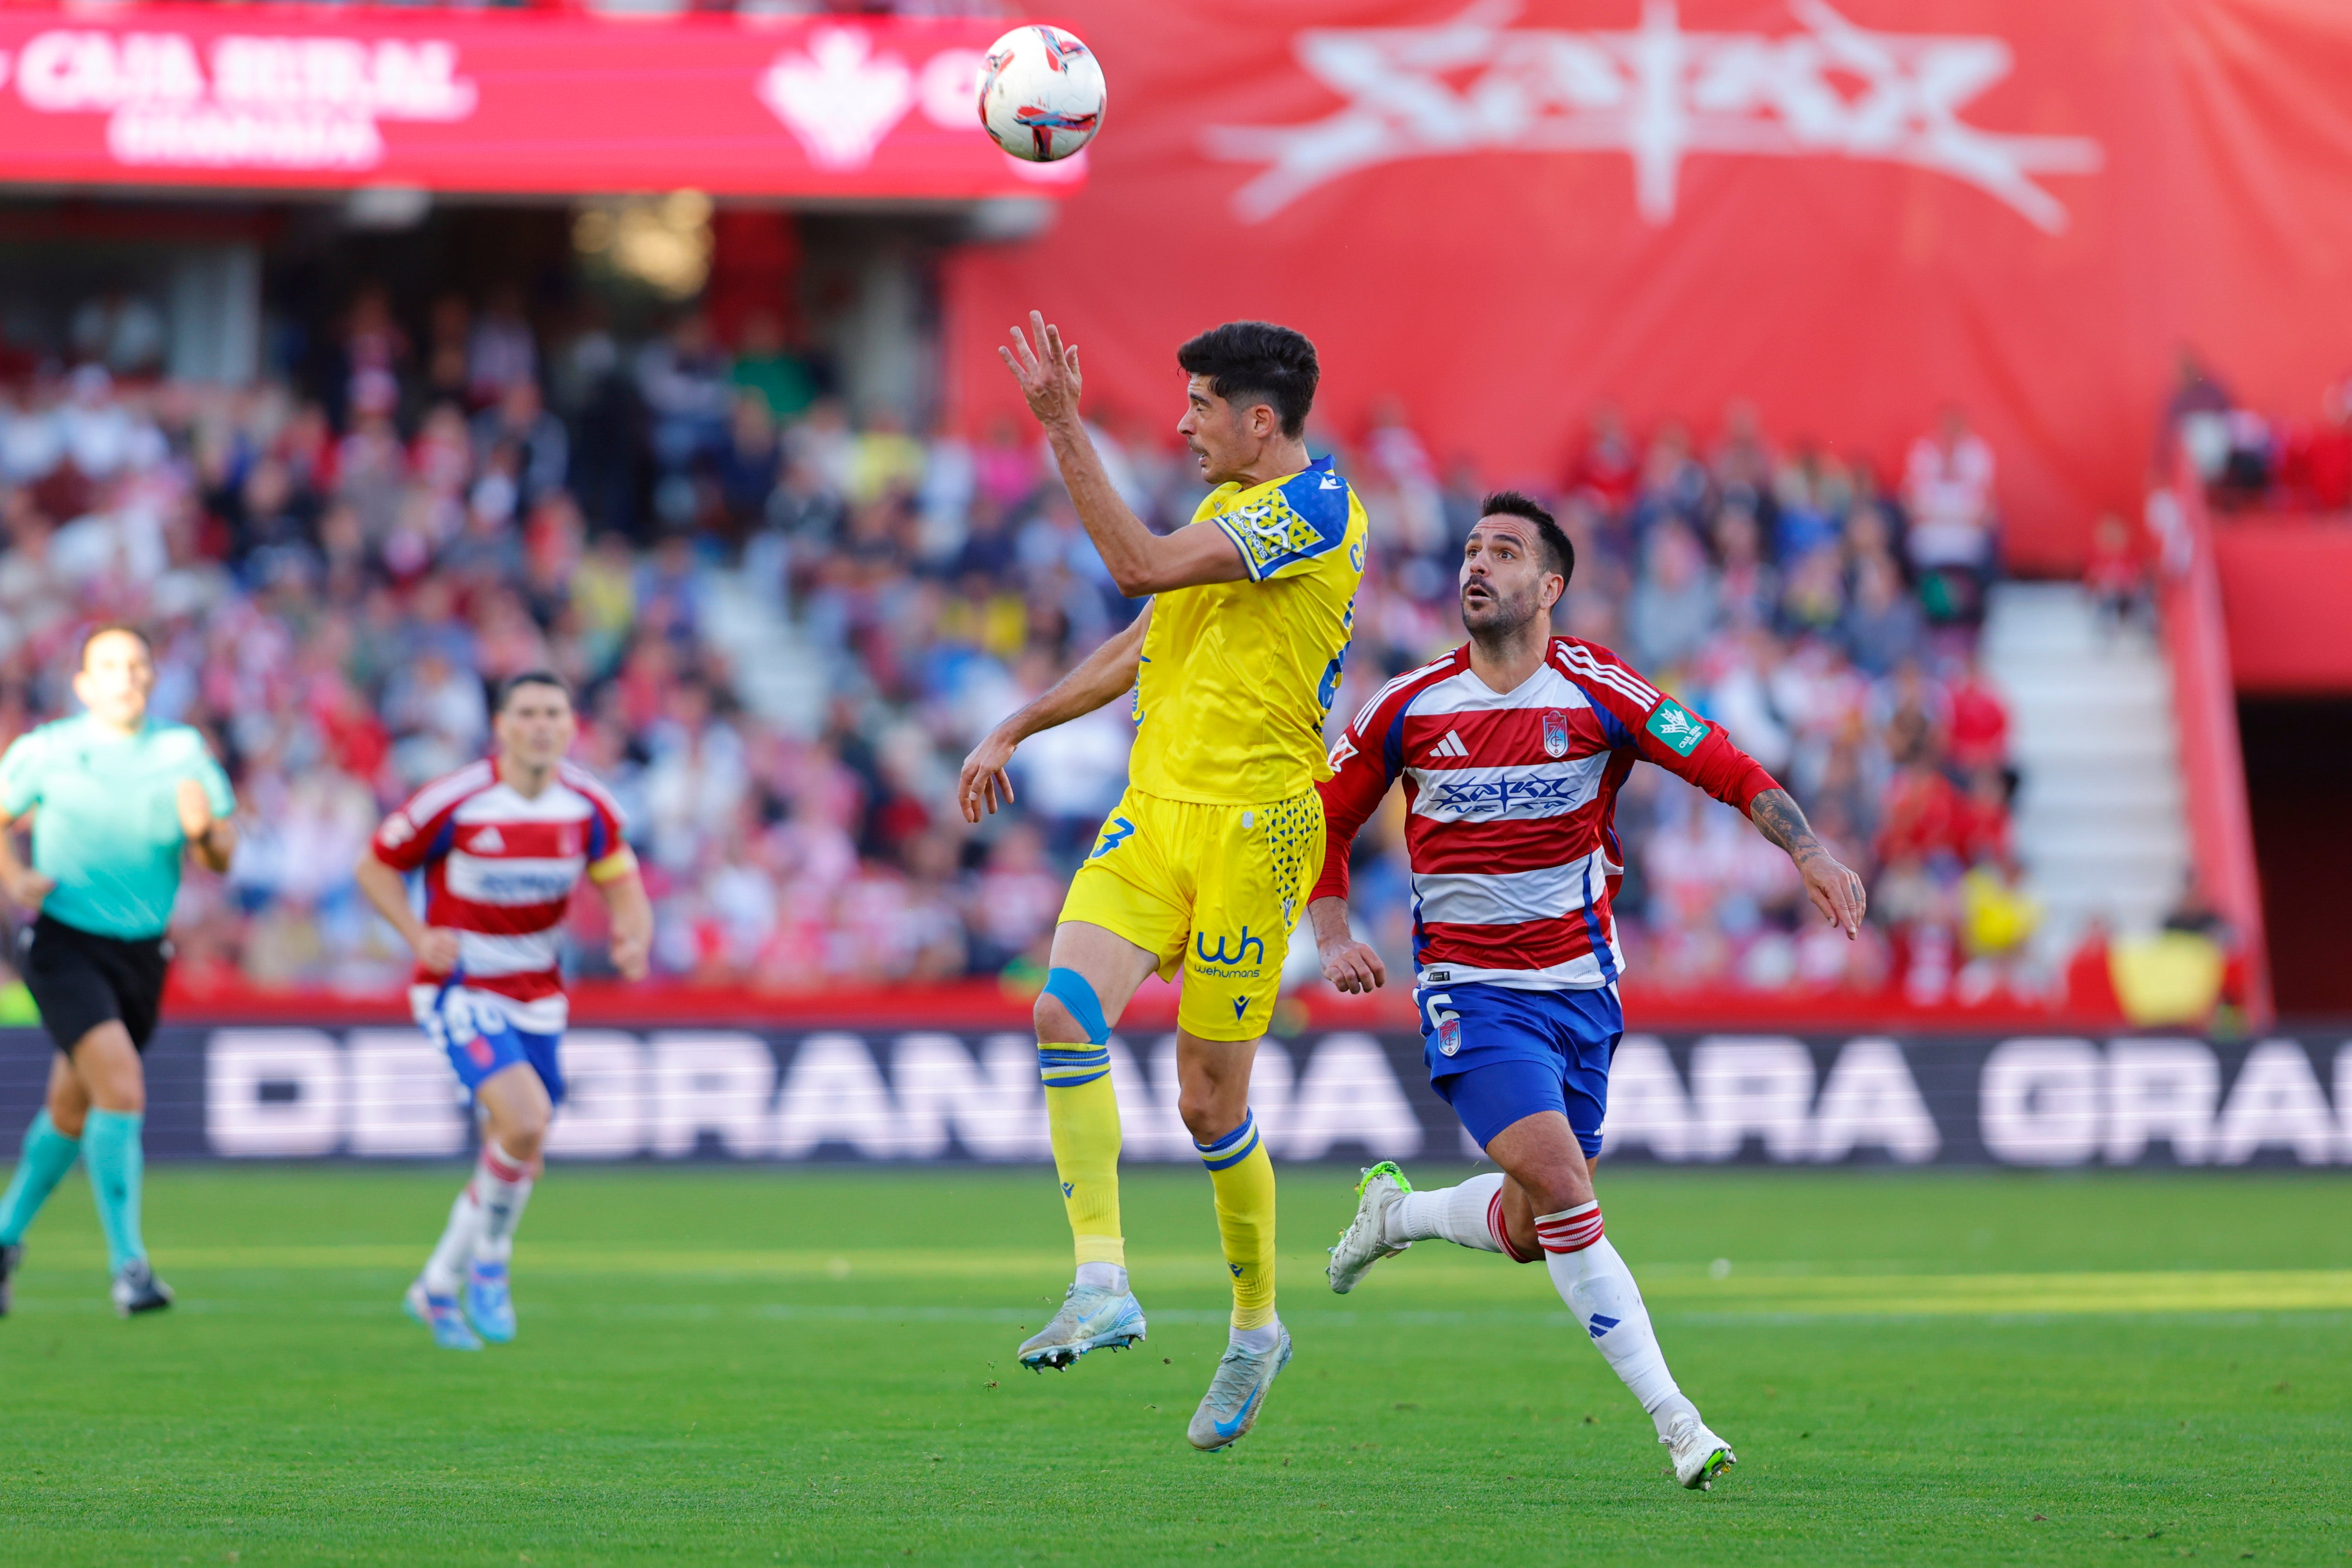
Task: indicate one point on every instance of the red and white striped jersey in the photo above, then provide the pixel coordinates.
(1511, 799)
(499, 868)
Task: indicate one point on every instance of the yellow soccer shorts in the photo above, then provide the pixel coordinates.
(1213, 890)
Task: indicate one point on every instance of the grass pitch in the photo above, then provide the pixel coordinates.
(815, 1366)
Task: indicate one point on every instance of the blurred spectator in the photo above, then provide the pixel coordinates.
(765, 366)
(1948, 483)
(2115, 574)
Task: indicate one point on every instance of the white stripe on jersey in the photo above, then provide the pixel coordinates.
(1624, 682)
(1501, 897)
(1530, 791)
(556, 802)
(1582, 972)
(1465, 693)
(434, 798)
(487, 957)
(1382, 695)
(511, 881)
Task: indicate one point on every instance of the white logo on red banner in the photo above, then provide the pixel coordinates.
(264, 103)
(839, 98)
(1657, 94)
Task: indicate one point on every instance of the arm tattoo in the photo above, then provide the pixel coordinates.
(1778, 818)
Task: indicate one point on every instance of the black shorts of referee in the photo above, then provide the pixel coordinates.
(79, 980)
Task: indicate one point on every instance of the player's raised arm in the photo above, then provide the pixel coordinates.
(1141, 562)
(1099, 678)
(1662, 731)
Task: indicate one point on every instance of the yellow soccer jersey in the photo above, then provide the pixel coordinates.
(1236, 676)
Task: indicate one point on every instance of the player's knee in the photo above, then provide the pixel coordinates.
(1208, 1112)
(1054, 1025)
(1068, 1011)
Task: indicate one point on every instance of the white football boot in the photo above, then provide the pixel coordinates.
(1359, 1246)
(1091, 1318)
(1236, 1394)
(1699, 1455)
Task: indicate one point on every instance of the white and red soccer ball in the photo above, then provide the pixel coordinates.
(1041, 93)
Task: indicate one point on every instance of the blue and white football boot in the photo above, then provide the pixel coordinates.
(1236, 1394)
(443, 1316)
(1092, 1317)
(488, 1304)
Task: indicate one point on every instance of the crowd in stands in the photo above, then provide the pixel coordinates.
(2251, 460)
(787, 623)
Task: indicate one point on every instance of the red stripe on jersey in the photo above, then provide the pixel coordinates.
(1503, 844)
(526, 987)
(1502, 737)
(1533, 945)
(444, 908)
(523, 841)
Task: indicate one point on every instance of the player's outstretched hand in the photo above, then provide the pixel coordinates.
(27, 887)
(195, 811)
(1835, 891)
(632, 954)
(1048, 373)
(984, 778)
(1353, 966)
(436, 950)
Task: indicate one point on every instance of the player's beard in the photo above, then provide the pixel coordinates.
(1500, 620)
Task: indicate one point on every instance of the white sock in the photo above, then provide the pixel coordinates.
(1259, 1340)
(1457, 1214)
(446, 1269)
(1110, 1277)
(505, 1184)
(1600, 1290)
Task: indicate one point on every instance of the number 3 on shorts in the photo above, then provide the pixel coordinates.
(1116, 833)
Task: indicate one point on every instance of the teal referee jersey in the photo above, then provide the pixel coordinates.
(106, 818)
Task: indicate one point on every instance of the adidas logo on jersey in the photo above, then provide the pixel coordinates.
(489, 841)
(1451, 746)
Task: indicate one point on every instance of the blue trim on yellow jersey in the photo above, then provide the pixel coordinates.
(1317, 496)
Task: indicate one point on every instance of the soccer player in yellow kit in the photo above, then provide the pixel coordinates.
(1204, 863)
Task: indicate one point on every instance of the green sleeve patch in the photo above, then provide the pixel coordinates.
(1677, 727)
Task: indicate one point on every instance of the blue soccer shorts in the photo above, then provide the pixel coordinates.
(1496, 1054)
(472, 1027)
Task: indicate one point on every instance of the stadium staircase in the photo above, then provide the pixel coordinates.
(2099, 822)
(778, 674)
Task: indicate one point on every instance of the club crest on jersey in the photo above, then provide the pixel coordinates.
(1449, 1036)
(1555, 729)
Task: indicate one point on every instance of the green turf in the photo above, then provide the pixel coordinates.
(814, 1366)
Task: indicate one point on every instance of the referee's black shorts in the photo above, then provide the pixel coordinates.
(81, 979)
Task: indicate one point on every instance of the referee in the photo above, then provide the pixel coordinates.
(115, 801)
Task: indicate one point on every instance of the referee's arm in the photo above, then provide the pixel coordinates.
(211, 839)
(26, 888)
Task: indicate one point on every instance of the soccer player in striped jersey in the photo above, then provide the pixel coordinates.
(1512, 750)
(502, 844)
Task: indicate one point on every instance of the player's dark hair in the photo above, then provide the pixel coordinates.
(1560, 554)
(125, 627)
(1260, 361)
(514, 683)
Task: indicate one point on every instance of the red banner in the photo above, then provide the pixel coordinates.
(486, 101)
(1852, 213)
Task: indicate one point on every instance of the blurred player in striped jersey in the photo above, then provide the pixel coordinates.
(1512, 750)
(502, 844)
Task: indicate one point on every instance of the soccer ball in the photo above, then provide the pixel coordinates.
(1041, 93)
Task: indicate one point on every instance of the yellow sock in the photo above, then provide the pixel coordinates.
(1082, 1113)
(1242, 1174)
